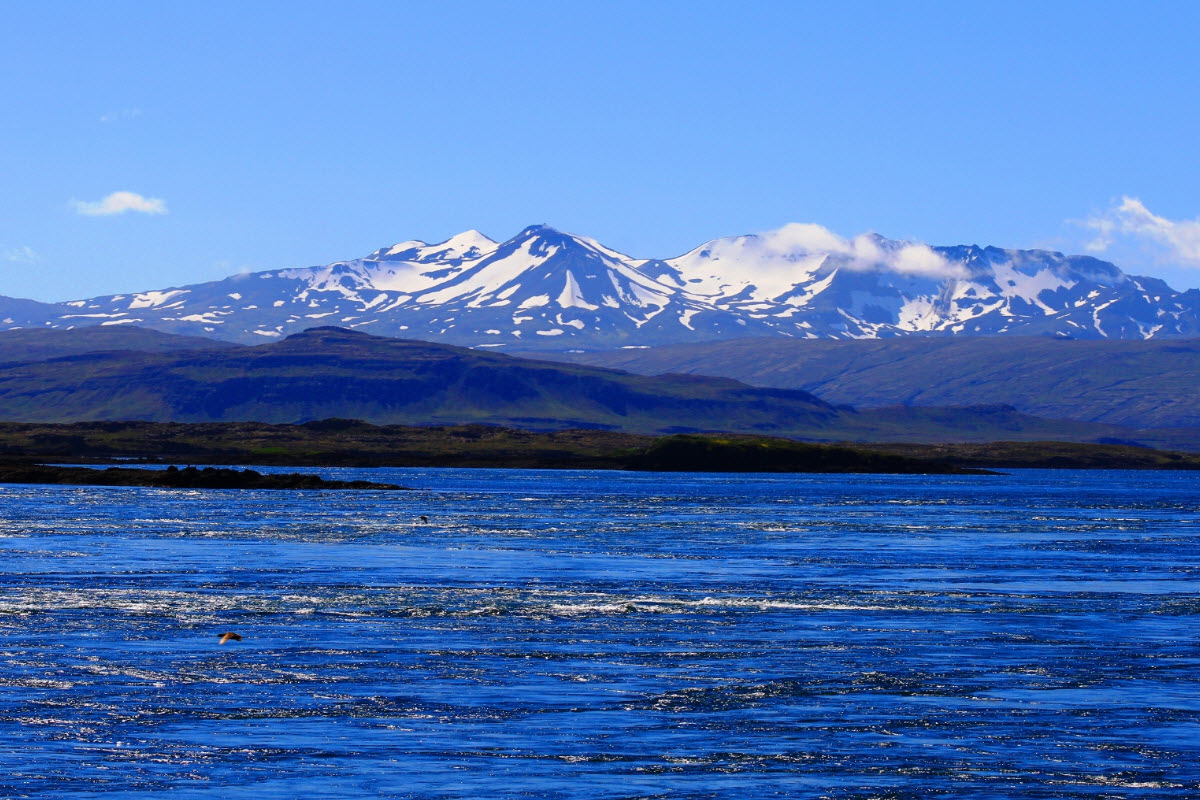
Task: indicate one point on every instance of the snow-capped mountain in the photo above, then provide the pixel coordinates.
(548, 290)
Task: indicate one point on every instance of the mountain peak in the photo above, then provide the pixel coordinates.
(543, 232)
(468, 239)
(545, 236)
(469, 244)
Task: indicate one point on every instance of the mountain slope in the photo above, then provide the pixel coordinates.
(549, 291)
(330, 372)
(1130, 383)
(39, 344)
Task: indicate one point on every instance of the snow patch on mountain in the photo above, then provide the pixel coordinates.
(152, 299)
(571, 295)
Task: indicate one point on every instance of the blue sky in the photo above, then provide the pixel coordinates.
(255, 136)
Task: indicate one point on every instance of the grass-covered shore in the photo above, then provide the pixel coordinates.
(359, 444)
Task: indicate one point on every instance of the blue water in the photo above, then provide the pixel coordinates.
(606, 635)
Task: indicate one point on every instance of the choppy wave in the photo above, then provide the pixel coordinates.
(606, 635)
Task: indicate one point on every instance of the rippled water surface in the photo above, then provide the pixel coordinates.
(606, 635)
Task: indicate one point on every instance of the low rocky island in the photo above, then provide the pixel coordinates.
(175, 478)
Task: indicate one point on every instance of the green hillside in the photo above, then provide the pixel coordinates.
(1135, 384)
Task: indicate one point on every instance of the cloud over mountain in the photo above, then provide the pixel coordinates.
(863, 252)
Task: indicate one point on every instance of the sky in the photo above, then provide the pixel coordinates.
(146, 145)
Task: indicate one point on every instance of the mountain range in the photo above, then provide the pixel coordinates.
(549, 291)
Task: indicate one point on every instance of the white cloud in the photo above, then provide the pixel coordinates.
(920, 259)
(21, 255)
(802, 236)
(119, 203)
(865, 252)
(125, 113)
(1130, 219)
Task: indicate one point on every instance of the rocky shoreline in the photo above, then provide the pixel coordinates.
(175, 478)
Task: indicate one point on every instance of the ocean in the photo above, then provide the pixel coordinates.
(546, 634)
